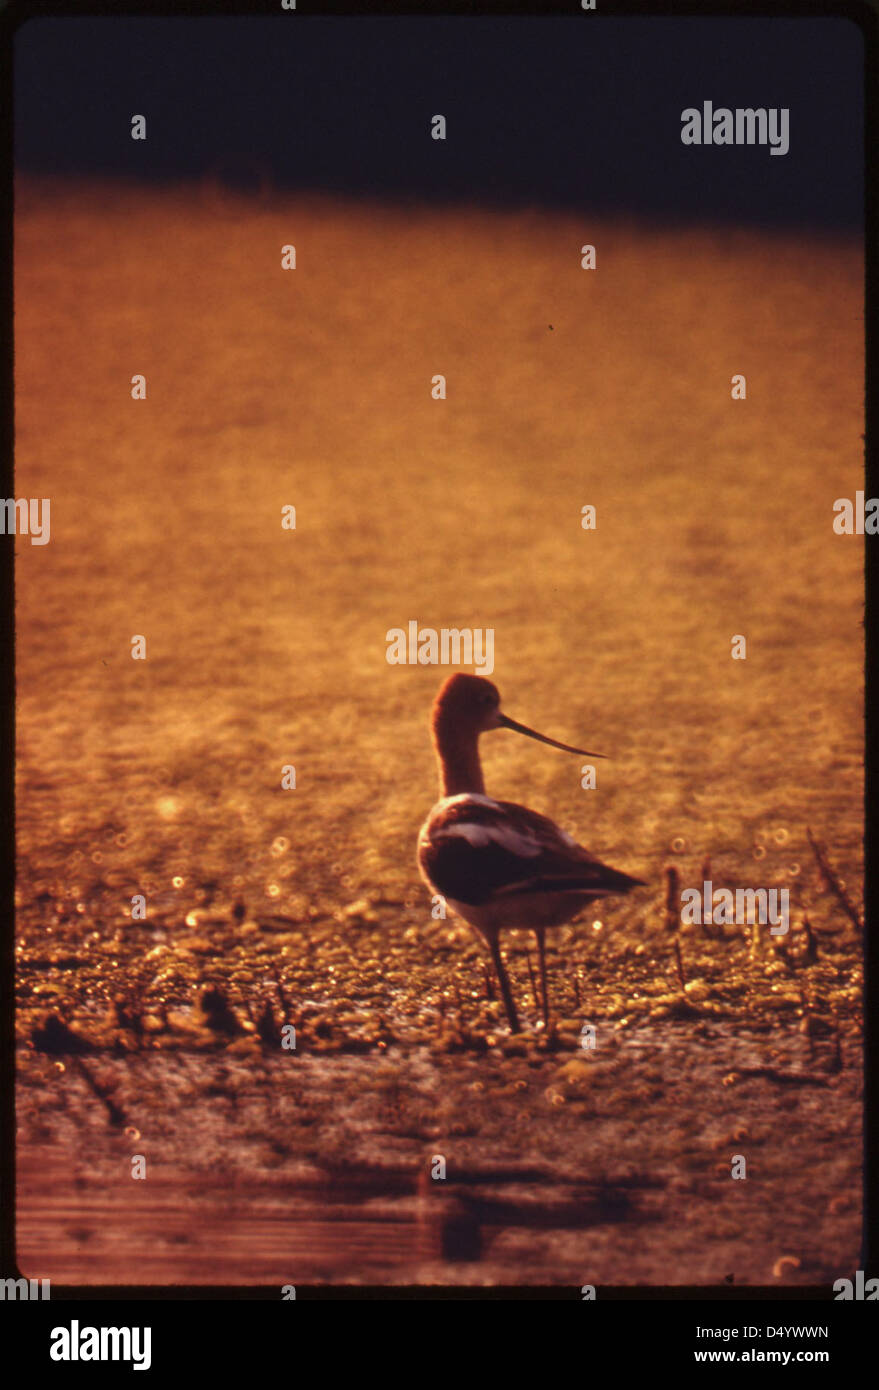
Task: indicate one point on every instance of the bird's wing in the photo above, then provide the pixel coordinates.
(472, 849)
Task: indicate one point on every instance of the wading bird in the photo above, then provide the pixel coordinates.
(495, 863)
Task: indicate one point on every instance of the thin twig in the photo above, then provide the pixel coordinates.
(833, 882)
(680, 963)
(672, 898)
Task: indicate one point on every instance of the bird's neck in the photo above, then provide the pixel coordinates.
(459, 767)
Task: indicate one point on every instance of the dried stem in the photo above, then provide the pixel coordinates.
(672, 898)
(680, 963)
(833, 883)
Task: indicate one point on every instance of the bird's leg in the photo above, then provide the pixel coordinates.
(540, 933)
(503, 981)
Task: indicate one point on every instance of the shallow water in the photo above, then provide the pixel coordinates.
(613, 1168)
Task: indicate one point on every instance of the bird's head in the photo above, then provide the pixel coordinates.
(467, 706)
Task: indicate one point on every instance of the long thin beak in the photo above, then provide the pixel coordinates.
(505, 723)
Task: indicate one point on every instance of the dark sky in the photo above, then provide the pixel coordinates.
(578, 112)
